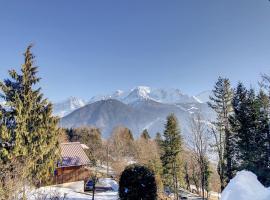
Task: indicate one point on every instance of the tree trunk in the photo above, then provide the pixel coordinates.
(175, 185)
(202, 176)
(228, 155)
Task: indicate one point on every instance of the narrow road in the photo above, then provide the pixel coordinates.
(188, 195)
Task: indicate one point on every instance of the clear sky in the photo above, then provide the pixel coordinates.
(92, 47)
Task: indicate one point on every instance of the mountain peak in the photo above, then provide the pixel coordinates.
(67, 106)
(138, 93)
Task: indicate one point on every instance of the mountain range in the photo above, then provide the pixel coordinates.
(139, 108)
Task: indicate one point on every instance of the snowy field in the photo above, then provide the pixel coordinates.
(245, 186)
(75, 191)
(70, 194)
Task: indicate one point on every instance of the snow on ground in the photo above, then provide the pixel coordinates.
(108, 182)
(73, 191)
(245, 186)
(69, 194)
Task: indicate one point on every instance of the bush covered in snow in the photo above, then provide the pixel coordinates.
(245, 186)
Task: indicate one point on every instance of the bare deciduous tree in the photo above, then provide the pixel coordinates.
(199, 145)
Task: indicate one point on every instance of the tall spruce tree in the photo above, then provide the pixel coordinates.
(265, 100)
(33, 137)
(262, 138)
(221, 103)
(171, 147)
(243, 124)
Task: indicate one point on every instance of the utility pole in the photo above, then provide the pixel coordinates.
(107, 151)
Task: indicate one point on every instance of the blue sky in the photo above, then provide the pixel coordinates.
(85, 47)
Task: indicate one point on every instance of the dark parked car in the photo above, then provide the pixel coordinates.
(88, 186)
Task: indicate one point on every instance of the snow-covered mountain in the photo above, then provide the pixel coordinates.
(162, 95)
(141, 114)
(139, 108)
(65, 107)
(140, 93)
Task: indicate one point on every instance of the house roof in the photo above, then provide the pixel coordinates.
(73, 154)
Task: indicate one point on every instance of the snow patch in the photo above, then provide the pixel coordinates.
(245, 186)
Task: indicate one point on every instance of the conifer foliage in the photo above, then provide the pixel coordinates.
(250, 124)
(171, 147)
(29, 132)
(145, 135)
(221, 103)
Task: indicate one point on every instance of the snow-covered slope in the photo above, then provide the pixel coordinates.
(63, 108)
(203, 97)
(245, 186)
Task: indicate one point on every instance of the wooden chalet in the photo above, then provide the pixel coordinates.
(74, 165)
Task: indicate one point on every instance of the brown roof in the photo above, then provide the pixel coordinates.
(73, 154)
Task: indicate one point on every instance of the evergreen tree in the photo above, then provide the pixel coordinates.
(263, 140)
(221, 103)
(158, 140)
(243, 124)
(145, 135)
(171, 147)
(33, 131)
(251, 126)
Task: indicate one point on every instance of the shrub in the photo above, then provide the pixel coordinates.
(137, 182)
